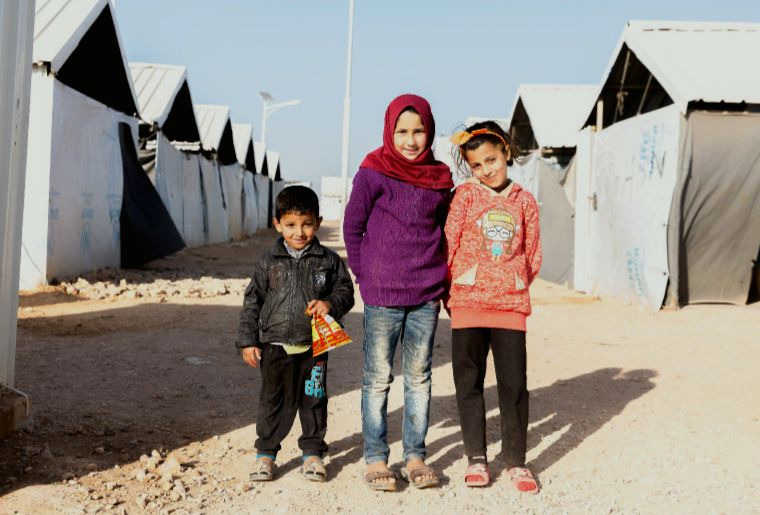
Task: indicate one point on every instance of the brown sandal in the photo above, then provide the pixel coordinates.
(371, 480)
(414, 476)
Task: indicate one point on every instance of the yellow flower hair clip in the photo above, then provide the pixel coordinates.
(460, 137)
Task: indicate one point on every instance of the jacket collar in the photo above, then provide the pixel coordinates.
(315, 248)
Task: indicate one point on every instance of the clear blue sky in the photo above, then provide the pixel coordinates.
(467, 58)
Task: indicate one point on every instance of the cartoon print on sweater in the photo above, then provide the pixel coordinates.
(498, 229)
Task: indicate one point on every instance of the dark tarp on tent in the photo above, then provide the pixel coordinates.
(556, 219)
(714, 233)
(147, 230)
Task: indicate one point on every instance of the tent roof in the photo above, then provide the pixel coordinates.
(242, 134)
(216, 131)
(555, 112)
(695, 61)
(260, 155)
(60, 26)
(273, 164)
(156, 86)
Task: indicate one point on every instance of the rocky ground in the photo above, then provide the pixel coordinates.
(140, 404)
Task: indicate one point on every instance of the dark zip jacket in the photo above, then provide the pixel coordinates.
(274, 306)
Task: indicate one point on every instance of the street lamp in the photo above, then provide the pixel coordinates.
(346, 113)
(270, 106)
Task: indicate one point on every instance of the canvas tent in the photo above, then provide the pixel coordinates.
(667, 187)
(170, 144)
(222, 178)
(16, 39)
(243, 136)
(273, 162)
(544, 126)
(81, 95)
(263, 184)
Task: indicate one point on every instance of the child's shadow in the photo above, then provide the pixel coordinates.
(578, 407)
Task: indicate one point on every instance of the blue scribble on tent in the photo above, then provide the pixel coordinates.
(85, 240)
(634, 268)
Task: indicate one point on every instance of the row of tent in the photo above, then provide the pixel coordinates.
(649, 182)
(122, 167)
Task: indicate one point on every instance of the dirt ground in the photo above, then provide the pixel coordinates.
(141, 404)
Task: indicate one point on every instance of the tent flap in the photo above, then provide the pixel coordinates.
(147, 230)
(719, 212)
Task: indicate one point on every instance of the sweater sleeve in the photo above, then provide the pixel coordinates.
(253, 300)
(455, 225)
(341, 297)
(533, 254)
(355, 219)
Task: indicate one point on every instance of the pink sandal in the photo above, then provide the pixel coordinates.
(477, 474)
(522, 479)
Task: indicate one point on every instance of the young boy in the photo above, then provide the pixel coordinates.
(294, 280)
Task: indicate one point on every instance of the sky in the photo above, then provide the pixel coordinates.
(466, 58)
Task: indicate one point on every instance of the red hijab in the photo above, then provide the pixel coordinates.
(425, 171)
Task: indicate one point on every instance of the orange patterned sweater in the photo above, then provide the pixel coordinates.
(494, 253)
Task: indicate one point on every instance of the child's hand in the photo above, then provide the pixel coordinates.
(252, 356)
(318, 307)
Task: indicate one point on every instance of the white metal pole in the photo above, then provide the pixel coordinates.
(264, 123)
(16, 36)
(347, 112)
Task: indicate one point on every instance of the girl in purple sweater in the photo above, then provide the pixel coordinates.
(393, 229)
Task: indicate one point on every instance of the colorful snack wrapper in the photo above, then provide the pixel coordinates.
(327, 334)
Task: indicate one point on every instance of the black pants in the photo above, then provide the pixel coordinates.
(290, 384)
(469, 350)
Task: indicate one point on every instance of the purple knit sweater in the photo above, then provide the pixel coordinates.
(394, 239)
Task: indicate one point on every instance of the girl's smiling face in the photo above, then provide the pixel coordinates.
(409, 137)
(489, 164)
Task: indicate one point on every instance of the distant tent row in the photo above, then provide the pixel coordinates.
(544, 125)
(122, 167)
(662, 184)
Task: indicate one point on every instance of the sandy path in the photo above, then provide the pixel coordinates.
(631, 411)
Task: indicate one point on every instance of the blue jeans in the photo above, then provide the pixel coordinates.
(383, 328)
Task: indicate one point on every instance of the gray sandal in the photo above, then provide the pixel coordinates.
(263, 470)
(313, 469)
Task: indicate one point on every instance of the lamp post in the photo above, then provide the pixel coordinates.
(346, 113)
(269, 107)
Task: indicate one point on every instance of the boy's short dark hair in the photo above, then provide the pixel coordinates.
(296, 199)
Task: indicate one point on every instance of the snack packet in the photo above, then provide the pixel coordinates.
(327, 334)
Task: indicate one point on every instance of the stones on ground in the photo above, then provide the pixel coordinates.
(141, 501)
(92, 467)
(100, 449)
(170, 468)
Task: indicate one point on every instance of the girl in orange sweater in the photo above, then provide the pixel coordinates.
(494, 253)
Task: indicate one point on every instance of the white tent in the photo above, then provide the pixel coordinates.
(16, 36)
(172, 139)
(544, 125)
(243, 135)
(80, 94)
(667, 186)
(275, 174)
(263, 184)
(222, 179)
